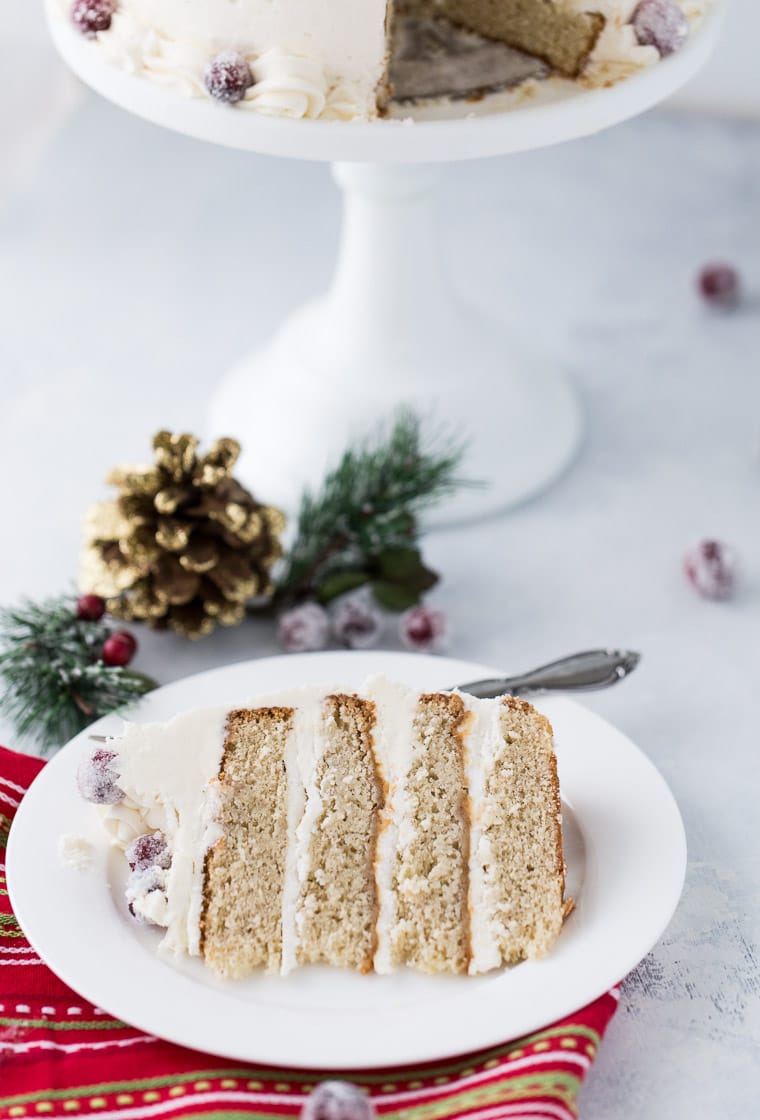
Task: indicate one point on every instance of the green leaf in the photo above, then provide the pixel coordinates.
(394, 597)
(404, 566)
(339, 583)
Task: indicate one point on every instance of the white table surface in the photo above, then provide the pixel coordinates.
(136, 265)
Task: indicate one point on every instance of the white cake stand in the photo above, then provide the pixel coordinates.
(388, 330)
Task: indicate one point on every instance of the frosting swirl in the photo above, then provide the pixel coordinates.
(287, 85)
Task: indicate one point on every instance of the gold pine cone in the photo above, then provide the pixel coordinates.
(183, 546)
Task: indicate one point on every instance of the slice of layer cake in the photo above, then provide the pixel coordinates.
(371, 830)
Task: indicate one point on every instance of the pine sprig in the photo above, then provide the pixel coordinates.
(362, 526)
(52, 681)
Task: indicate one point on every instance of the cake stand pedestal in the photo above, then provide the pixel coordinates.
(389, 332)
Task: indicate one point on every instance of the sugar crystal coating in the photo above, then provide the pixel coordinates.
(356, 622)
(97, 780)
(92, 16)
(228, 76)
(661, 24)
(423, 629)
(303, 628)
(150, 850)
(710, 567)
(337, 1100)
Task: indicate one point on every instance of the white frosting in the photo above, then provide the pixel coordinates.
(483, 740)
(396, 709)
(300, 766)
(323, 59)
(167, 771)
(287, 86)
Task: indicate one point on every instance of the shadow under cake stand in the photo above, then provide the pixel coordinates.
(389, 330)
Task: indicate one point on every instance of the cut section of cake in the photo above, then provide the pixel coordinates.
(329, 59)
(244, 871)
(370, 830)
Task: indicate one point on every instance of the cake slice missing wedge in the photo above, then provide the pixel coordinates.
(374, 830)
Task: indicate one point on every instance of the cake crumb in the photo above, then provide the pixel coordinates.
(75, 852)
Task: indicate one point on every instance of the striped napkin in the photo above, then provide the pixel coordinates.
(62, 1057)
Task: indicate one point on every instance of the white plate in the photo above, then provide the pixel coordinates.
(626, 854)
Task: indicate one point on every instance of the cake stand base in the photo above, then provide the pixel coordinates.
(389, 333)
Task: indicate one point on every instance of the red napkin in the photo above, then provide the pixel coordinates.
(62, 1057)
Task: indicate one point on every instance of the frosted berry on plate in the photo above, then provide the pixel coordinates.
(92, 16)
(423, 630)
(228, 76)
(356, 622)
(661, 24)
(337, 1100)
(149, 850)
(711, 568)
(97, 780)
(304, 628)
(719, 285)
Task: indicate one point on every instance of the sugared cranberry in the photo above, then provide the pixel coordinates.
(228, 76)
(423, 629)
(661, 24)
(96, 779)
(337, 1100)
(356, 622)
(90, 608)
(711, 567)
(303, 628)
(150, 850)
(119, 649)
(92, 16)
(719, 284)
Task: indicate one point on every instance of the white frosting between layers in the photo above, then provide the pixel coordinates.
(483, 740)
(396, 709)
(300, 765)
(168, 772)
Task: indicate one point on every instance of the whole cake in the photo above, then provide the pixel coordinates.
(330, 58)
(368, 830)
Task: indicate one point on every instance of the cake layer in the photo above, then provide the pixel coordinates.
(241, 920)
(371, 831)
(432, 926)
(338, 903)
(561, 33)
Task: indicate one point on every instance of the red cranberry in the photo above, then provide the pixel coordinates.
(356, 622)
(119, 649)
(303, 628)
(92, 16)
(719, 284)
(90, 608)
(228, 76)
(150, 850)
(96, 779)
(661, 24)
(711, 567)
(337, 1100)
(423, 629)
